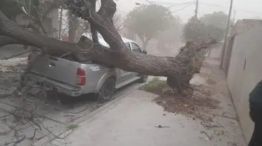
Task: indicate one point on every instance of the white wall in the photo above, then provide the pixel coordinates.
(245, 72)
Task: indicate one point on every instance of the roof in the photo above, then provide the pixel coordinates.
(245, 25)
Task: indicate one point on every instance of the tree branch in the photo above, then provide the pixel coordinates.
(92, 26)
(141, 63)
(8, 41)
(10, 29)
(179, 70)
(102, 20)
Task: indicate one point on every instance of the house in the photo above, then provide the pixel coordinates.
(242, 63)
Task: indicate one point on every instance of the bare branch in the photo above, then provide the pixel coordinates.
(102, 20)
(12, 30)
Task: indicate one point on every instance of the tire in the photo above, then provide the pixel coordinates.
(107, 90)
(143, 79)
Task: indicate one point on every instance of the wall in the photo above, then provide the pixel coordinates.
(245, 71)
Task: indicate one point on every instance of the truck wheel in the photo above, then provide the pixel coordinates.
(107, 90)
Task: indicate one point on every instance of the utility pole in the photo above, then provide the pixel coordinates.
(197, 7)
(226, 35)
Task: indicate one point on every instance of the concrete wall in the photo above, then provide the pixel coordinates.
(245, 71)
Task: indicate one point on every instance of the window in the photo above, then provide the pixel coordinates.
(128, 46)
(136, 48)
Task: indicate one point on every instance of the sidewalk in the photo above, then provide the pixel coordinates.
(136, 120)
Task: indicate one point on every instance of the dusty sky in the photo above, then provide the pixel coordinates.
(185, 8)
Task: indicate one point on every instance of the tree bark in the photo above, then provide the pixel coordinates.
(4, 40)
(178, 69)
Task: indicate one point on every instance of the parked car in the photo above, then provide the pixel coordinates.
(64, 75)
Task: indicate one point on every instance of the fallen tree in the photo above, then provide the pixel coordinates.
(179, 70)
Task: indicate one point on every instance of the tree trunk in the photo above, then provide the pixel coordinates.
(179, 70)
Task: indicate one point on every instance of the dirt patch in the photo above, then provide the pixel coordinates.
(195, 106)
(211, 81)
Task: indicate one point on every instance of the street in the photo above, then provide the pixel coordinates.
(132, 118)
(136, 119)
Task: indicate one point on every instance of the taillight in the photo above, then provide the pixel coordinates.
(81, 77)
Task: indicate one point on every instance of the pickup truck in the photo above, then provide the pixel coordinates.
(64, 75)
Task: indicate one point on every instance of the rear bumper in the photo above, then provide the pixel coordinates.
(49, 84)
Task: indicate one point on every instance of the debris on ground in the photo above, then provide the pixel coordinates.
(209, 105)
(11, 65)
(190, 106)
(35, 115)
(193, 106)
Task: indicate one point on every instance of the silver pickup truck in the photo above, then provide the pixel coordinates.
(64, 75)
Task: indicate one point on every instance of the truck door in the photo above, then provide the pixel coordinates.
(123, 75)
(135, 49)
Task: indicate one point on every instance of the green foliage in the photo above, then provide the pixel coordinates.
(216, 24)
(215, 33)
(148, 20)
(154, 86)
(210, 26)
(172, 34)
(216, 19)
(195, 30)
